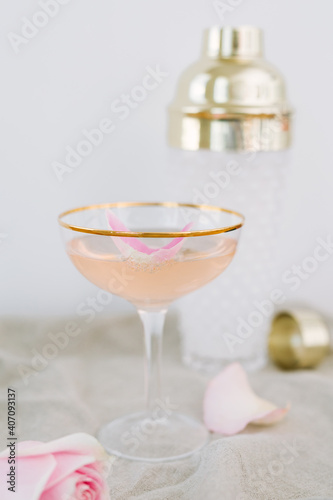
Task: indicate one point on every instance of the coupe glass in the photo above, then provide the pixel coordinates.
(151, 254)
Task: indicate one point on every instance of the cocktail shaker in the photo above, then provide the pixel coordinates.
(229, 131)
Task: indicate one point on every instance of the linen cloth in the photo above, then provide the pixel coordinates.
(98, 376)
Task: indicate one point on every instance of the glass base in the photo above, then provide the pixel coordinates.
(142, 437)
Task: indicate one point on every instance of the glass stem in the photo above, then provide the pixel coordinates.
(153, 324)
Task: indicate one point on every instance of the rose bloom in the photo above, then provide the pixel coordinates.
(70, 468)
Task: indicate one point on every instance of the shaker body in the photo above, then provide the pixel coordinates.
(228, 320)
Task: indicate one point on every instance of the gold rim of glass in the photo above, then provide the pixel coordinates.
(136, 234)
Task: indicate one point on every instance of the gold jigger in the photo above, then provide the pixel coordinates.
(299, 338)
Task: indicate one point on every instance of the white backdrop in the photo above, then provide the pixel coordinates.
(64, 77)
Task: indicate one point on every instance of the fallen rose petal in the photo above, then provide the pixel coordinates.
(230, 403)
(125, 244)
(273, 417)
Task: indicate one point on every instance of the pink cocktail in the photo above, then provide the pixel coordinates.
(151, 254)
(150, 284)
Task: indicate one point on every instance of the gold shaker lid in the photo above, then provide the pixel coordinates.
(299, 338)
(232, 98)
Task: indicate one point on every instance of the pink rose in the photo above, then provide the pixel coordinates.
(69, 468)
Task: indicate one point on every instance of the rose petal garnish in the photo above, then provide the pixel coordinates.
(127, 244)
(230, 403)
